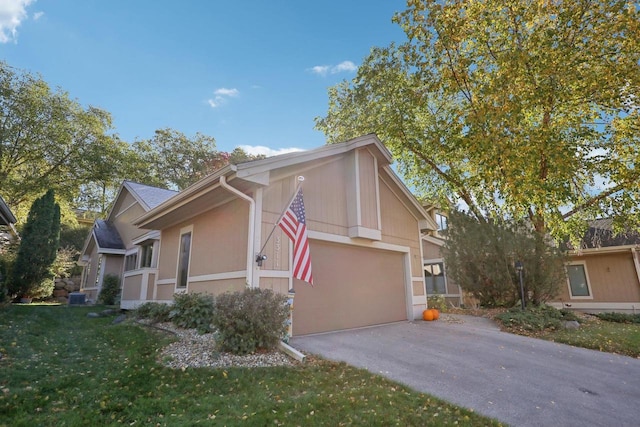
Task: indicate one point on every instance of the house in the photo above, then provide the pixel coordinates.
(604, 275)
(113, 244)
(7, 219)
(364, 229)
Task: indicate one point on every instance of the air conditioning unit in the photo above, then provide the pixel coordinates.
(77, 298)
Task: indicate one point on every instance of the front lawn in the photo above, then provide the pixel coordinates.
(60, 368)
(601, 335)
(596, 333)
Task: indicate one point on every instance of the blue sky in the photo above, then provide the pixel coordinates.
(249, 73)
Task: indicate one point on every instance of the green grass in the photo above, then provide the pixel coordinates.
(620, 338)
(59, 368)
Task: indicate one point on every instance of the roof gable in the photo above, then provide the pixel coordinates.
(207, 192)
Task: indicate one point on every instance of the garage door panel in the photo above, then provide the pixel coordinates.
(354, 287)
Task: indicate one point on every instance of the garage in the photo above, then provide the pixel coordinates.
(354, 286)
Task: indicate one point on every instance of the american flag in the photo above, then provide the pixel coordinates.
(294, 225)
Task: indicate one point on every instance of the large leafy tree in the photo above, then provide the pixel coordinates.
(31, 275)
(519, 108)
(173, 160)
(49, 141)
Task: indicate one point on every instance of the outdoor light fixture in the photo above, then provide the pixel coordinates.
(260, 258)
(519, 269)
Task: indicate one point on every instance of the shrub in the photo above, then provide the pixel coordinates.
(154, 311)
(250, 320)
(619, 317)
(193, 311)
(438, 302)
(480, 256)
(110, 290)
(535, 319)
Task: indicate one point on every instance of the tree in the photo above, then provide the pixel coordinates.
(520, 109)
(49, 141)
(480, 257)
(31, 275)
(171, 159)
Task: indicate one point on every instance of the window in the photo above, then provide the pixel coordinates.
(434, 278)
(130, 262)
(146, 255)
(441, 220)
(578, 283)
(183, 259)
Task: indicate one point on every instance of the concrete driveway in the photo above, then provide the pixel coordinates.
(518, 380)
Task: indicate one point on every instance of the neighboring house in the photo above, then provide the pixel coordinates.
(7, 219)
(115, 246)
(364, 229)
(605, 274)
(436, 280)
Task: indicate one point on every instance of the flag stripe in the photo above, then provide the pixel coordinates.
(293, 224)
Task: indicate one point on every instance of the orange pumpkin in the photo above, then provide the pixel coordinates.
(427, 315)
(436, 314)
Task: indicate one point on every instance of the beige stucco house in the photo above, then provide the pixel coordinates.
(604, 275)
(364, 229)
(116, 246)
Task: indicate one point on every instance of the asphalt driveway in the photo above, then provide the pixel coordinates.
(518, 380)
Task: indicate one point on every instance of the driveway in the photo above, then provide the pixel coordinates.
(518, 380)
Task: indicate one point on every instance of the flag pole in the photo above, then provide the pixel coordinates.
(260, 257)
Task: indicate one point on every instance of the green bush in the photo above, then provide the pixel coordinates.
(535, 319)
(154, 311)
(437, 301)
(250, 320)
(193, 311)
(619, 317)
(110, 290)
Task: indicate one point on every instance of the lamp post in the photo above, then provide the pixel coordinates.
(519, 268)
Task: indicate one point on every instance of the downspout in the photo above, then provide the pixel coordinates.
(636, 262)
(252, 215)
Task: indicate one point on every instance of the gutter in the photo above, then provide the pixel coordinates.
(252, 216)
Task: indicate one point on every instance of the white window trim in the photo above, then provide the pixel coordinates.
(444, 274)
(129, 252)
(183, 231)
(586, 276)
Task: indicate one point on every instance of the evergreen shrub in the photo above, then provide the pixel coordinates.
(110, 292)
(250, 320)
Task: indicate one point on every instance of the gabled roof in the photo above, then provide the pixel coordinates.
(149, 197)
(107, 236)
(6, 216)
(207, 192)
(601, 235)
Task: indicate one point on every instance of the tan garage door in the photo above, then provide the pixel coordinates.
(353, 287)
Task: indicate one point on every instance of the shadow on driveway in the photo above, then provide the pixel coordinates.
(518, 380)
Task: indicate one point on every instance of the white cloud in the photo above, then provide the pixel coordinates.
(320, 69)
(37, 15)
(223, 91)
(266, 151)
(12, 12)
(344, 66)
(221, 96)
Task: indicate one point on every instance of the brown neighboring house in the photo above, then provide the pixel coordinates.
(604, 275)
(364, 230)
